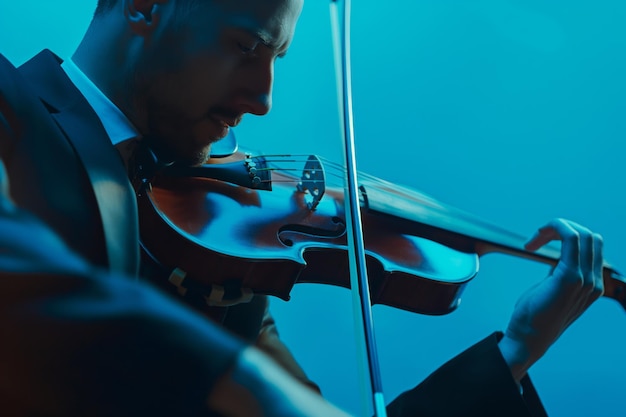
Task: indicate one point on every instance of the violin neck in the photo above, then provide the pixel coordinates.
(465, 232)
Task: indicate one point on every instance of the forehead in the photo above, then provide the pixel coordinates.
(274, 21)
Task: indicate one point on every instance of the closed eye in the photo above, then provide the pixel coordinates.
(246, 48)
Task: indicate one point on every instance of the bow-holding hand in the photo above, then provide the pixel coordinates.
(545, 310)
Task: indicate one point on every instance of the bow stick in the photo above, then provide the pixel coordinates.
(340, 21)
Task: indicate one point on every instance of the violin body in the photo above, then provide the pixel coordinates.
(225, 234)
(232, 238)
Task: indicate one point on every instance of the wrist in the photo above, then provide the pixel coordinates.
(516, 356)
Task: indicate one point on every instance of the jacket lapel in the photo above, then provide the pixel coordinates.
(82, 127)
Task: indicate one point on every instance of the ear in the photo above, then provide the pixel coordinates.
(143, 15)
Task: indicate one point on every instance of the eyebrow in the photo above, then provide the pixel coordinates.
(264, 38)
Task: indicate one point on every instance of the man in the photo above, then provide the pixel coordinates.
(122, 348)
(177, 75)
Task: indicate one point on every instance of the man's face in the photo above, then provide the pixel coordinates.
(201, 71)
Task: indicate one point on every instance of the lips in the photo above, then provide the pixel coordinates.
(226, 120)
(215, 126)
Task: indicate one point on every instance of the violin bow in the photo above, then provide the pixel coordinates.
(359, 283)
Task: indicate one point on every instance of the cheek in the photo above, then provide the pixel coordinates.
(198, 87)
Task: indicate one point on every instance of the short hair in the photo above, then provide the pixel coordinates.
(104, 6)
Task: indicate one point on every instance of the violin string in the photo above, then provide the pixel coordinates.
(296, 158)
(275, 169)
(376, 182)
(285, 158)
(293, 181)
(279, 162)
(334, 175)
(332, 170)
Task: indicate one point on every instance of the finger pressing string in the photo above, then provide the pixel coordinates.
(544, 235)
(563, 230)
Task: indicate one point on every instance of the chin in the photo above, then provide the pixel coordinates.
(199, 157)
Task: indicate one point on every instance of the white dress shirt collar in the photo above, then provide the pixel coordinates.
(116, 124)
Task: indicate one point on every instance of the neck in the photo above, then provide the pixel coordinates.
(107, 55)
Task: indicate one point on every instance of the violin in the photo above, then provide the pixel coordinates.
(244, 225)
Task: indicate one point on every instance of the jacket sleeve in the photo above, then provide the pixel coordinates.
(81, 341)
(477, 382)
(269, 342)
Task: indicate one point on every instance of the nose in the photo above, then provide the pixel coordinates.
(258, 80)
(261, 104)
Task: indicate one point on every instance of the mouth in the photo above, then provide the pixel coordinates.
(216, 126)
(225, 121)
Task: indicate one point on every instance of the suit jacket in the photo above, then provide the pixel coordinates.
(62, 166)
(63, 169)
(80, 335)
(476, 383)
(81, 341)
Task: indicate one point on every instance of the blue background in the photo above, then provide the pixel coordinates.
(512, 110)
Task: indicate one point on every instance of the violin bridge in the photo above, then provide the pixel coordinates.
(313, 182)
